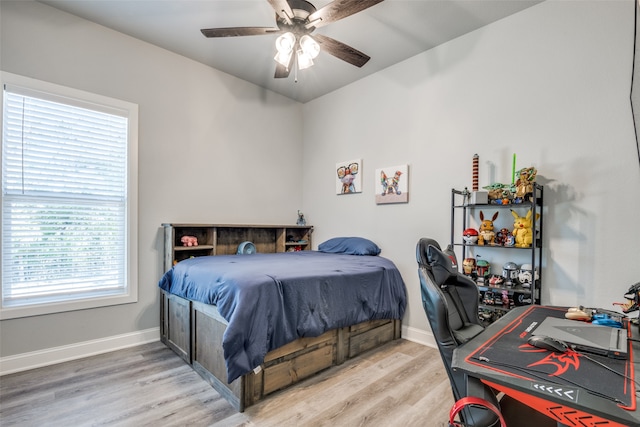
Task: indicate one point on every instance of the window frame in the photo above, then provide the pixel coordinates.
(131, 293)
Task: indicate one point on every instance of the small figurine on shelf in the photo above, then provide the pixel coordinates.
(524, 184)
(506, 196)
(510, 274)
(501, 194)
(483, 269)
(301, 220)
(189, 241)
(502, 236)
(486, 233)
(526, 275)
(489, 298)
(496, 280)
(505, 299)
(510, 240)
(470, 236)
(522, 228)
(469, 267)
(495, 191)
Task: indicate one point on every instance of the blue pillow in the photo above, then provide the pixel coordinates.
(350, 246)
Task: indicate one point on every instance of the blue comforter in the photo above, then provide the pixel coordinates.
(270, 300)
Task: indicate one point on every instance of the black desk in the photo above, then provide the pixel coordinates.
(555, 384)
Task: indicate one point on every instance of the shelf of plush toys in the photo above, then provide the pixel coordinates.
(538, 244)
(533, 198)
(489, 238)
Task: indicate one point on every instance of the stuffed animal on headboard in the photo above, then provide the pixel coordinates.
(189, 241)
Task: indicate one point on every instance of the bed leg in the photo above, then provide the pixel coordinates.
(342, 345)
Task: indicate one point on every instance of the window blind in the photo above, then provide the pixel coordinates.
(64, 199)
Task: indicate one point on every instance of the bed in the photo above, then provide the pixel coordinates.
(255, 324)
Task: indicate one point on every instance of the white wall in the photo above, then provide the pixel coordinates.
(208, 152)
(551, 84)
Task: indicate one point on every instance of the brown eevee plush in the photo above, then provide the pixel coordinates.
(485, 232)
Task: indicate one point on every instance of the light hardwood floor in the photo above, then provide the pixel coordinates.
(401, 384)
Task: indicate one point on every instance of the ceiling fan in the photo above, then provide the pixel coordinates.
(296, 20)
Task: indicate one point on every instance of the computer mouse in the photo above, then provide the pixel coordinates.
(548, 343)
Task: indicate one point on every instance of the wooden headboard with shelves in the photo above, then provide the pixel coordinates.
(223, 239)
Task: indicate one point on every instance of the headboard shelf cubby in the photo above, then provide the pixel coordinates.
(223, 239)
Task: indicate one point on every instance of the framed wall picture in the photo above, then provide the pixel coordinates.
(392, 184)
(349, 177)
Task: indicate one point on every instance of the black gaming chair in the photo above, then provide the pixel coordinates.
(450, 300)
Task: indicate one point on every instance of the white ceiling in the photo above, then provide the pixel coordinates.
(388, 32)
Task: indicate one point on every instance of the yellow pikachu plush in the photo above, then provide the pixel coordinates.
(522, 230)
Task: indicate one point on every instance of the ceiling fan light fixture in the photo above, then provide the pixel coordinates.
(304, 60)
(309, 46)
(283, 58)
(285, 43)
(294, 20)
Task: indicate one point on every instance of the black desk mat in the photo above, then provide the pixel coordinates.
(572, 368)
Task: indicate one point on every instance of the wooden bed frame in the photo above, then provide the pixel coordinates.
(194, 331)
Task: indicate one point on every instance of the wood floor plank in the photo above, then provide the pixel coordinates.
(401, 384)
(383, 395)
(358, 375)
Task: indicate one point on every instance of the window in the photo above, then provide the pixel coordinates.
(68, 199)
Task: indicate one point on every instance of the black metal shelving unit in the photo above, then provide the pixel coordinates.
(462, 212)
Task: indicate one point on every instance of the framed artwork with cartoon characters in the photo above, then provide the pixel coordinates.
(392, 184)
(349, 177)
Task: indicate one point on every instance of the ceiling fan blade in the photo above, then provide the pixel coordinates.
(239, 31)
(341, 50)
(283, 9)
(337, 10)
(282, 71)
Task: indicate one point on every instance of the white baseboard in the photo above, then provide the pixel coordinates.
(51, 356)
(419, 336)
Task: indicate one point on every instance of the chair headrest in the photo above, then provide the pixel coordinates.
(441, 265)
(421, 250)
(430, 255)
